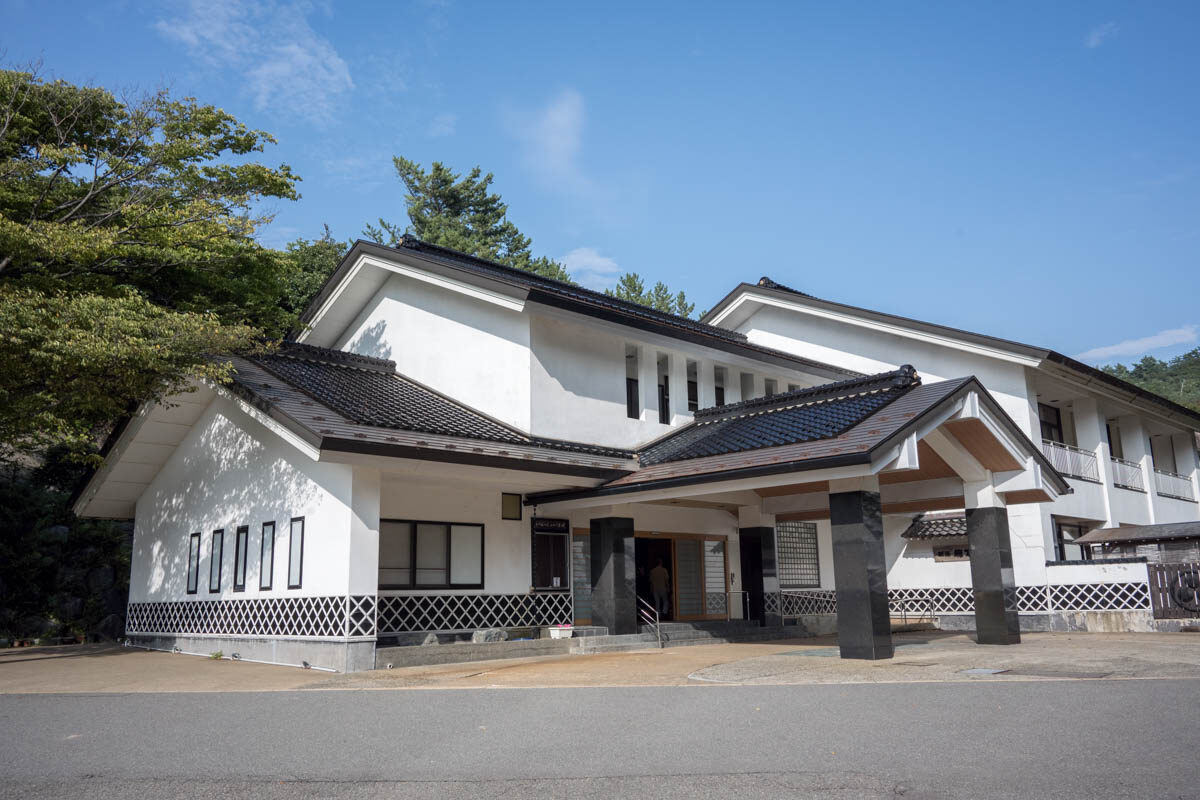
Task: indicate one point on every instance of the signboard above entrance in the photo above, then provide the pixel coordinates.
(550, 525)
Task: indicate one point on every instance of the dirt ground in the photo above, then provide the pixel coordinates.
(920, 657)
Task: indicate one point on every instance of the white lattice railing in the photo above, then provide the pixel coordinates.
(404, 613)
(1072, 461)
(1170, 484)
(1129, 596)
(1128, 474)
(292, 617)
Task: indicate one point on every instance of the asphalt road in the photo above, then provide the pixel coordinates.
(1098, 738)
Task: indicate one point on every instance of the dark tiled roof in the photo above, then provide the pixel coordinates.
(1143, 533)
(935, 526)
(803, 415)
(368, 391)
(767, 283)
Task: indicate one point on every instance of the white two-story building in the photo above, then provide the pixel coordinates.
(451, 445)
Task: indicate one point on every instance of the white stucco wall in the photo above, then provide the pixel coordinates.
(230, 471)
(469, 349)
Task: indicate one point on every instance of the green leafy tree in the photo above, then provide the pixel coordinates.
(631, 287)
(1177, 380)
(456, 211)
(313, 261)
(127, 257)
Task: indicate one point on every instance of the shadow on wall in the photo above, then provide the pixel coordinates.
(371, 342)
(223, 477)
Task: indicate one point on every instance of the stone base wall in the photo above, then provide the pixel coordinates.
(1069, 621)
(343, 656)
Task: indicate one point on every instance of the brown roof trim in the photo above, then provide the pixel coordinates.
(339, 445)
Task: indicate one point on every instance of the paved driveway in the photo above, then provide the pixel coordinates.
(1068, 738)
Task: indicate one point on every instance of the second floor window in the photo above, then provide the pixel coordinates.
(1051, 419)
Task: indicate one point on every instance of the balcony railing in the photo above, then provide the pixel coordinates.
(1170, 484)
(1072, 461)
(1128, 474)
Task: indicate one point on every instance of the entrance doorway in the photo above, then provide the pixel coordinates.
(696, 569)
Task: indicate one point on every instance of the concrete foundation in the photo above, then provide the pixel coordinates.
(343, 656)
(1072, 621)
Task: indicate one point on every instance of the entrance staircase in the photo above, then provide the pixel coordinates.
(681, 634)
(594, 640)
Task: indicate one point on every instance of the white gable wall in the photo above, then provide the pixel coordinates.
(228, 471)
(472, 350)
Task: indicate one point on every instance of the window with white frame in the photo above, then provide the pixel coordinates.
(430, 555)
(796, 555)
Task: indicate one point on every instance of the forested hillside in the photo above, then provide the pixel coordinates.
(1177, 379)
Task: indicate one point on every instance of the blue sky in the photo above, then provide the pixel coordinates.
(1030, 171)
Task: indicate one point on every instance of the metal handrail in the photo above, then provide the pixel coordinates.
(648, 614)
(1074, 462)
(902, 605)
(1128, 474)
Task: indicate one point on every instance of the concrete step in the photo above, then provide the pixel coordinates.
(643, 641)
(463, 652)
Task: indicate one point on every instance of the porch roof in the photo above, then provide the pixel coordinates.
(1142, 533)
(844, 424)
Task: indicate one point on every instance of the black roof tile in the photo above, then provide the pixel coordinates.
(930, 526)
(369, 391)
(803, 415)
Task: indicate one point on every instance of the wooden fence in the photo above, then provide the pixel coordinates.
(1175, 590)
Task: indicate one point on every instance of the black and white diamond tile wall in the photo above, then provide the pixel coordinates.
(463, 612)
(961, 600)
(319, 617)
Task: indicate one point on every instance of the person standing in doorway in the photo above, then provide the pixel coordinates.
(660, 584)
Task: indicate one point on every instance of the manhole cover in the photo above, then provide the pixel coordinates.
(982, 671)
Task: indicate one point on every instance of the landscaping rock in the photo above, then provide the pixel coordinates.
(430, 638)
(490, 635)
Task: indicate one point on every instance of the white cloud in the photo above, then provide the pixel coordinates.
(1100, 34)
(286, 66)
(591, 269)
(443, 124)
(551, 140)
(1188, 334)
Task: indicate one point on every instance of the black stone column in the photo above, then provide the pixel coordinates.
(860, 576)
(765, 583)
(996, 620)
(614, 575)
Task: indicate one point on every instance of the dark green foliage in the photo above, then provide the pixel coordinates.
(59, 575)
(459, 212)
(1177, 380)
(312, 262)
(631, 287)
